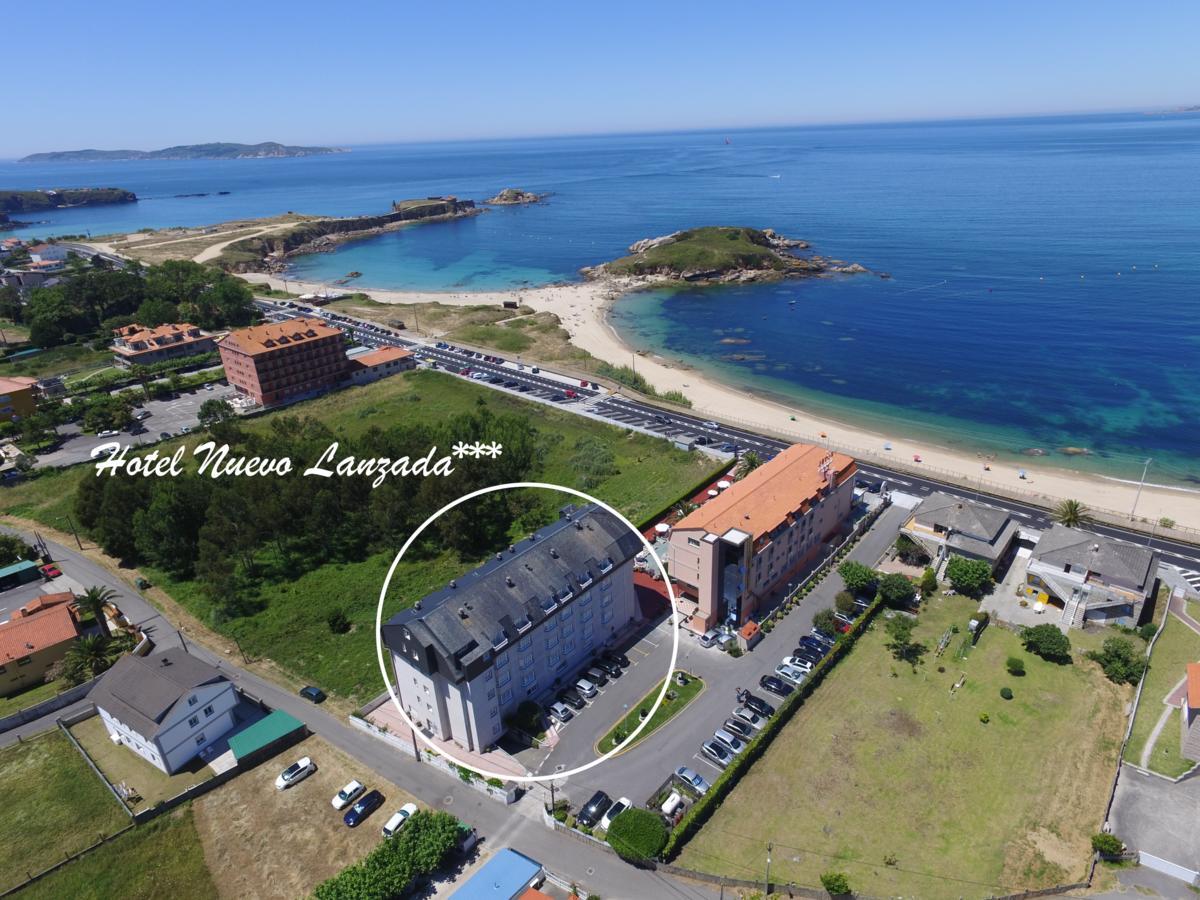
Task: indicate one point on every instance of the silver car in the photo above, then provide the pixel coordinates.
(731, 741)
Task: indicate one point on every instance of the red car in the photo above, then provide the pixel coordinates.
(464, 371)
(50, 570)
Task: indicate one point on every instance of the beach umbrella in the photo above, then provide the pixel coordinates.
(662, 527)
(722, 485)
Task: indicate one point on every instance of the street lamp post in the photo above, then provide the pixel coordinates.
(1141, 484)
(767, 882)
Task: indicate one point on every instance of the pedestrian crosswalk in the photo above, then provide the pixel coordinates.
(1192, 577)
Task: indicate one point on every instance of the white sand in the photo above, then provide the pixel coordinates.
(582, 310)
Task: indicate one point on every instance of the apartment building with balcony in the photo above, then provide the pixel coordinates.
(284, 361)
(728, 556)
(517, 628)
(141, 346)
(1093, 578)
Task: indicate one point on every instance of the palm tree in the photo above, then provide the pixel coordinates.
(1072, 514)
(748, 463)
(93, 602)
(684, 507)
(89, 656)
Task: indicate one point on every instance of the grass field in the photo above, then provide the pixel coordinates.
(58, 361)
(264, 843)
(53, 805)
(30, 696)
(883, 774)
(664, 714)
(1177, 646)
(713, 248)
(291, 627)
(163, 858)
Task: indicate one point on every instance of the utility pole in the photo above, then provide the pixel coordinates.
(71, 523)
(1141, 484)
(767, 883)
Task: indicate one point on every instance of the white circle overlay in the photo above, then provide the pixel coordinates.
(388, 677)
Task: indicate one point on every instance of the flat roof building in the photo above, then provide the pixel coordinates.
(18, 397)
(517, 628)
(284, 361)
(727, 556)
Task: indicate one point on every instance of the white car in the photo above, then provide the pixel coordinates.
(615, 810)
(108, 432)
(790, 673)
(798, 662)
(295, 773)
(396, 822)
(750, 717)
(586, 688)
(478, 376)
(712, 426)
(347, 795)
(561, 712)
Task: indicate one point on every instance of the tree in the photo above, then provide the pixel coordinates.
(637, 834)
(14, 549)
(824, 621)
(747, 464)
(968, 576)
(910, 552)
(896, 590)
(1120, 662)
(1006, 693)
(900, 642)
(844, 601)
(929, 582)
(859, 579)
(1047, 642)
(836, 883)
(93, 602)
(214, 411)
(1072, 514)
(1015, 666)
(87, 658)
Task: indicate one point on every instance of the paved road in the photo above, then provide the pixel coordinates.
(499, 825)
(1152, 814)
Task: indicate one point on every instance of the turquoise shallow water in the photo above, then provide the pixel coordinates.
(1044, 271)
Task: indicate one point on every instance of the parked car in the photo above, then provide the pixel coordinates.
(693, 780)
(594, 809)
(611, 668)
(315, 694)
(597, 676)
(347, 795)
(738, 727)
(711, 426)
(807, 654)
(759, 706)
(798, 662)
(615, 656)
(775, 685)
(827, 639)
(790, 674)
(50, 570)
(164, 435)
(716, 753)
(560, 712)
(710, 637)
(585, 687)
(558, 398)
(572, 698)
(749, 716)
(817, 645)
(108, 432)
(295, 773)
(399, 818)
(510, 384)
(615, 810)
(363, 808)
(142, 414)
(730, 740)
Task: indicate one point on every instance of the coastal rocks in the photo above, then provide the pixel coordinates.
(779, 242)
(515, 197)
(1075, 451)
(650, 243)
(850, 269)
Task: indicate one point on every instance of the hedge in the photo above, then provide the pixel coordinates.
(637, 835)
(389, 870)
(728, 779)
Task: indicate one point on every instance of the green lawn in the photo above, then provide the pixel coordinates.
(712, 248)
(58, 361)
(29, 697)
(1177, 646)
(53, 805)
(667, 711)
(883, 765)
(291, 625)
(163, 858)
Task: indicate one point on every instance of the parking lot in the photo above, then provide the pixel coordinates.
(19, 596)
(169, 416)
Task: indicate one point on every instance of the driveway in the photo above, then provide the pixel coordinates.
(165, 415)
(638, 772)
(1152, 814)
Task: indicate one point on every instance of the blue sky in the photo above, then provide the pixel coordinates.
(147, 75)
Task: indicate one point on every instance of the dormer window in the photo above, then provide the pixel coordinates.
(585, 579)
(523, 624)
(548, 604)
(606, 565)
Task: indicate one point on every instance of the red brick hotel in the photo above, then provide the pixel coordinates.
(284, 361)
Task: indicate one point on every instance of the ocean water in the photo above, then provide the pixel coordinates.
(1045, 273)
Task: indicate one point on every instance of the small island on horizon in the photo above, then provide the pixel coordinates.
(265, 150)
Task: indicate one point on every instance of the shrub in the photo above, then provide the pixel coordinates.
(338, 622)
(637, 835)
(929, 581)
(735, 651)
(1006, 693)
(896, 590)
(1120, 662)
(390, 869)
(1047, 642)
(1148, 631)
(844, 601)
(1107, 844)
(859, 579)
(984, 718)
(836, 883)
(1015, 666)
(825, 622)
(968, 576)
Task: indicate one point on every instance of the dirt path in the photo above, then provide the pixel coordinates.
(215, 250)
(1147, 750)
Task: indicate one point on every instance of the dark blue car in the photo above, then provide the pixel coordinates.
(366, 805)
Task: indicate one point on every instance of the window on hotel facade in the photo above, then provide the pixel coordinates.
(505, 678)
(568, 648)
(552, 659)
(529, 679)
(587, 617)
(526, 643)
(693, 542)
(23, 661)
(606, 616)
(551, 642)
(505, 696)
(588, 631)
(199, 739)
(501, 660)
(550, 625)
(193, 700)
(568, 630)
(193, 721)
(208, 710)
(526, 662)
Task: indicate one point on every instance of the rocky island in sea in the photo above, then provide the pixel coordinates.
(62, 198)
(515, 197)
(718, 254)
(265, 150)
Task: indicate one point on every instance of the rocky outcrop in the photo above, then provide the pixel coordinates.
(62, 198)
(515, 197)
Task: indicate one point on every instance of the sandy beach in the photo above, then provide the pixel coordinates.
(583, 307)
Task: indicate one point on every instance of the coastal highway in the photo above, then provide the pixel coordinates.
(679, 425)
